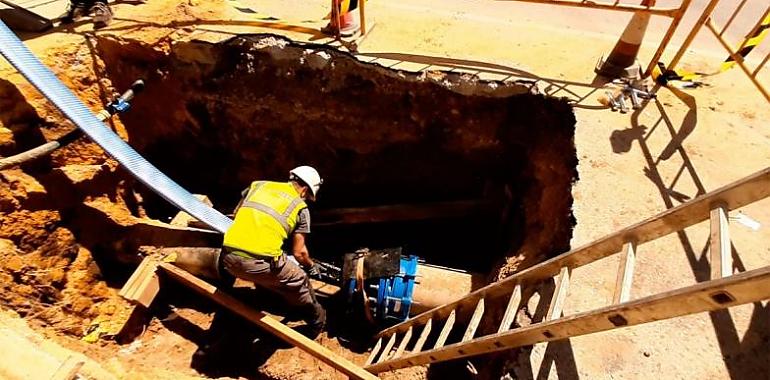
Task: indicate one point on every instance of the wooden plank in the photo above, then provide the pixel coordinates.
(734, 195)
(386, 351)
(402, 212)
(404, 341)
(68, 369)
(450, 321)
(375, 351)
(423, 336)
(266, 322)
(475, 319)
(129, 288)
(149, 287)
(559, 295)
(721, 248)
(625, 273)
(511, 309)
(738, 289)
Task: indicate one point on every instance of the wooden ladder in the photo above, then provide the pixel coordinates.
(450, 339)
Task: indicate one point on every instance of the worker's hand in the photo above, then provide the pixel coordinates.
(313, 271)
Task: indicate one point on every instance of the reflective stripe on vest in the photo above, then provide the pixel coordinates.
(268, 214)
(283, 219)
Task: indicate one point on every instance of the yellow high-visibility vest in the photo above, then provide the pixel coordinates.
(267, 216)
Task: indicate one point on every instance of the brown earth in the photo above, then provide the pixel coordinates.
(69, 222)
(624, 164)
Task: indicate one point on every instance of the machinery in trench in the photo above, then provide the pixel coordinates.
(385, 285)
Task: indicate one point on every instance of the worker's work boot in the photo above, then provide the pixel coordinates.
(102, 14)
(318, 324)
(75, 10)
(350, 25)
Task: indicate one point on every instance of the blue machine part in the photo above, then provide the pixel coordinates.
(391, 297)
(394, 295)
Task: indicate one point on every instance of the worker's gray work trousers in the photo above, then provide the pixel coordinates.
(280, 276)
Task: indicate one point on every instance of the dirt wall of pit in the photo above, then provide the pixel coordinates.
(214, 117)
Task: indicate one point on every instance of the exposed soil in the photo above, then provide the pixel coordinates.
(216, 116)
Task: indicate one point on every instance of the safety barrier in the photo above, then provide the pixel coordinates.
(736, 56)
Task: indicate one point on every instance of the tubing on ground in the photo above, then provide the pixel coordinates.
(46, 82)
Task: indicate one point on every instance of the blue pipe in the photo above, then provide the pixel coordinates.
(46, 82)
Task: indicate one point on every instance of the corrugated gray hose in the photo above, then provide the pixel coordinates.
(41, 77)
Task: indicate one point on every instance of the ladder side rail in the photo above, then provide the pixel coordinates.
(738, 289)
(733, 196)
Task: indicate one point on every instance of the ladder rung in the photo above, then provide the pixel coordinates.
(559, 294)
(450, 321)
(423, 336)
(374, 353)
(475, 319)
(404, 341)
(625, 273)
(511, 309)
(386, 351)
(741, 288)
(721, 248)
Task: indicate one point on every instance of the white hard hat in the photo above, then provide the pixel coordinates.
(309, 176)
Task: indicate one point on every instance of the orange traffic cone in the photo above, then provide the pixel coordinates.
(622, 60)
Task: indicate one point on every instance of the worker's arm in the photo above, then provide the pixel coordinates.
(299, 246)
(243, 198)
(300, 252)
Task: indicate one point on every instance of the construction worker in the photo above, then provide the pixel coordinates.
(270, 217)
(351, 24)
(101, 12)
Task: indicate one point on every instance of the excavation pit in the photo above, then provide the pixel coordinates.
(459, 171)
(462, 172)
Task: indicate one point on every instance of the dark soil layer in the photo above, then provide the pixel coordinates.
(223, 115)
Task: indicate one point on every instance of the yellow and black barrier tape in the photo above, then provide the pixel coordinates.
(749, 44)
(663, 75)
(345, 7)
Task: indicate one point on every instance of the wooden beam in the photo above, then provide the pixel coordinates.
(404, 341)
(475, 319)
(128, 289)
(448, 324)
(423, 336)
(734, 195)
(721, 248)
(386, 351)
(375, 351)
(559, 295)
(625, 273)
(738, 289)
(266, 322)
(510, 311)
(69, 368)
(143, 285)
(402, 212)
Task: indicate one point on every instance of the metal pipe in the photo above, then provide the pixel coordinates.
(667, 37)
(761, 64)
(438, 285)
(732, 17)
(753, 30)
(691, 36)
(40, 76)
